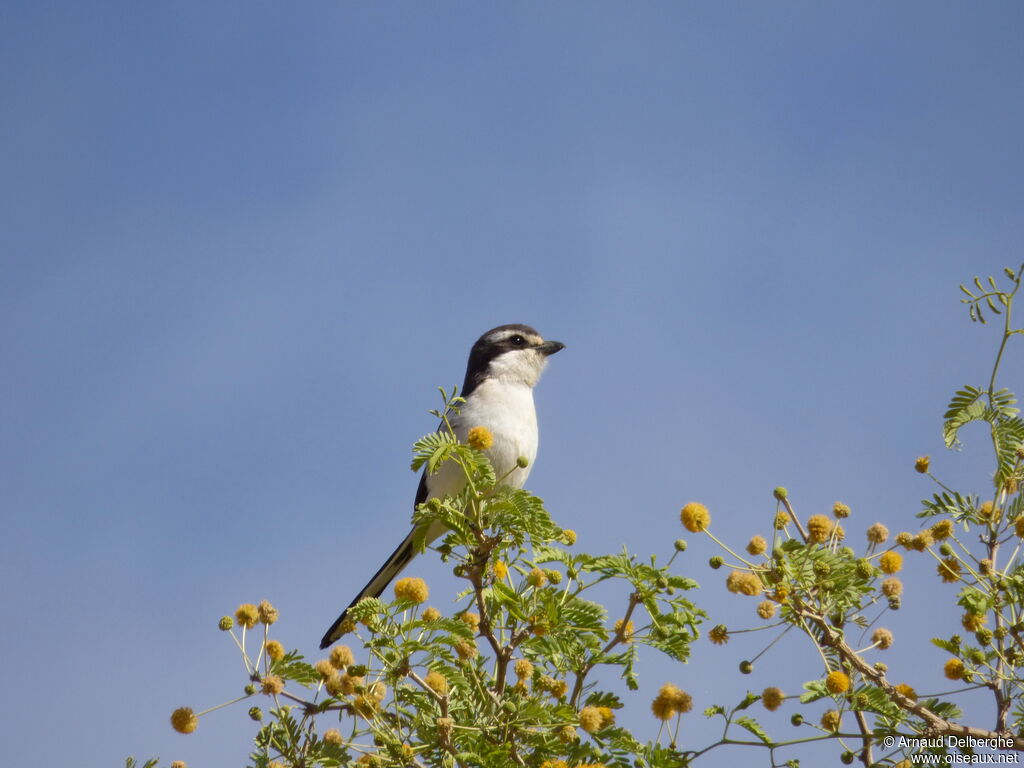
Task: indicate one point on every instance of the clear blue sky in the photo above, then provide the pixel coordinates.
(243, 242)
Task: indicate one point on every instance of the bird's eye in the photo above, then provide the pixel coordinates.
(517, 340)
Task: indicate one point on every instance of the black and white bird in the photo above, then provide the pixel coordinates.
(504, 366)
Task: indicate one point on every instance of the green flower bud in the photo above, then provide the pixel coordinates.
(945, 549)
(746, 667)
(894, 603)
(716, 562)
(865, 569)
(780, 493)
(255, 713)
(680, 545)
(225, 623)
(522, 462)
(796, 719)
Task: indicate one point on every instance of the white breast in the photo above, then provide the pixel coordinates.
(506, 408)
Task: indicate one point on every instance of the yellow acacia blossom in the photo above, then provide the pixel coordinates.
(744, 583)
(757, 545)
(819, 528)
(878, 534)
(247, 615)
(891, 561)
(954, 669)
(183, 720)
(719, 634)
(949, 569)
(883, 638)
(695, 517)
(772, 698)
(837, 682)
(413, 589)
(480, 438)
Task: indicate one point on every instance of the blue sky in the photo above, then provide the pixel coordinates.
(243, 243)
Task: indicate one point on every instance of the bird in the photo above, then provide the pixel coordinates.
(504, 366)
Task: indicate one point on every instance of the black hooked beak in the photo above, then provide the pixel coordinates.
(549, 348)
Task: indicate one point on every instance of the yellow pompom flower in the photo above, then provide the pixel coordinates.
(681, 700)
(436, 682)
(333, 736)
(840, 510)
(365, 706)
(837, 682)
(536, 578)
(480, 438)
(662, 709)
(744, 583)
(949, 569)
(890, 562)
(179, 764)
(183, 720)
(271, 685)
(883, 638)
(431, 614)
(627, 630)
(892, 587)
(343, 685)
(757, 545)
(831, 720)
(905, 539)
(921, 464)
(325, 669)
(719, 634)
(695, 517)
(1018, 527)
(413, 589)
(591, 720)
(470, 619)
(819, 528)
(523, 669)
(772, 698)
(972, 622)
(247, 615)
(942, 530)
(782, 519)
(467, 650)
(275, 650)
(766, 609)
(569, 536)
(267, 612)
(906, 690)
(954, 669)
(669, 701)
(342, 657)
(878, 534)
(922, 540)
(500, 570)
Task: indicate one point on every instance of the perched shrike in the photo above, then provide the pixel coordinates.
(504, 365)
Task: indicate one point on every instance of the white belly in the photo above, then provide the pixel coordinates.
(507, 410)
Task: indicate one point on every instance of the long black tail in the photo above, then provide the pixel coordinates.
(391, 568)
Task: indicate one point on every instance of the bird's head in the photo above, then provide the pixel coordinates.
(514, 353)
